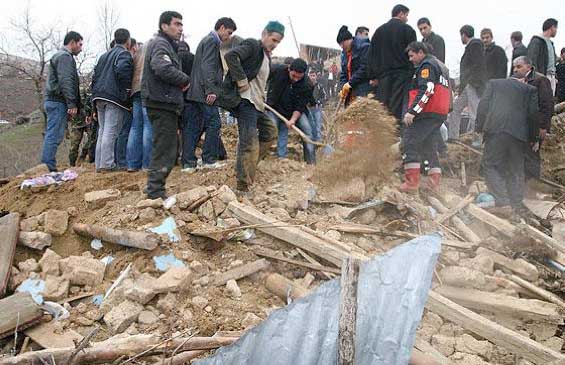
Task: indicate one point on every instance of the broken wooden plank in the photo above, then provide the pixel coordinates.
(48, 335)
(456, 209)
(312, 260)
(348, 312)
(463, 174)
(533, 309)
(18, 311)
(356, 228)
(241, 271)
(350, 248)
(495, 333)
(292, 235)
(9, 231)
(284, 288)
(271, 255)
(541, 293)
(537, 234)
(467, 232)
(136, 239)
(523, 269)
(429, 350)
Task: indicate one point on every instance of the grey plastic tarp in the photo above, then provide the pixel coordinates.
(393, 289)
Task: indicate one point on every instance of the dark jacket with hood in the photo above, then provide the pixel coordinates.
(496, 61)
(358, 79)
(113, 76)
(438, 46)
(207, 69)
(286, 96)
(63, 83)
(244, 63)
(387, 54)
(545, 98)
(509, 106)
(473, 67)
(163, 79)
(538, 53)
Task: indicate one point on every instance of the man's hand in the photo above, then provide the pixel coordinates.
(72, 111)
(408, 119)
(535, 147)
(243, 88)
(211, 98)
(184, 88)
(290, 123)
(374, 83)
(345, 89)
(542, 133)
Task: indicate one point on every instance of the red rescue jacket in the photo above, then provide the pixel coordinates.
(429, 94)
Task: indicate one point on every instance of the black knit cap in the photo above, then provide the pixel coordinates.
(299, 65)
(343, 34)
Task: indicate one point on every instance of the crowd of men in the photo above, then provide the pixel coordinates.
(146, 98)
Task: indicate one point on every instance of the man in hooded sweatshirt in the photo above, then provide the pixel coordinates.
(353, 79)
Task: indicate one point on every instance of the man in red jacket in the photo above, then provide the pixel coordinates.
(428, 105)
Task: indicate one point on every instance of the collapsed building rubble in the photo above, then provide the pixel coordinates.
(219, 265)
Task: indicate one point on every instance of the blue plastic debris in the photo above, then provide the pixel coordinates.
(97, 299)
(107, 260)
(485, 200)
(168, 227)
(33, 287)
(164, 262)
(96, 244)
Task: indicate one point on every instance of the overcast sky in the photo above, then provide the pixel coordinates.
(315, 22)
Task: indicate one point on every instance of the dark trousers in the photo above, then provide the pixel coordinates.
(256, 131)
(164, 151)
(200, 118)
(503, 168)
(393, 92)
(533, 163)
(420, 141)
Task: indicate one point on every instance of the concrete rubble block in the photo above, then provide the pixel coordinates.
(280, 214)
(186, 198)
(147, 318)
(29, 265)
(142, 289)
(554, 343)
(451, 330)
(49, 263)
(150, 203)
(199, 302)
(119, 318)
(250, 320)
(36, 240)
(233, 289)
(16, 278)
(519, 267)
(468, 344)
(541, 331)
(56, 288)
(82, 270)
(444, 344)
(30, 224)
(167, 303)
(482, 263)
(175, 279)
(97, 199)
(198, 268)
(206, 211)
(432, 320)
(226, 195)
(450, 257)
(467, 359)
(464, 277)
(56, 222)
(147, 214)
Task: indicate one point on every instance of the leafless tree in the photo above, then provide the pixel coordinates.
(108, 18)
(36, 44)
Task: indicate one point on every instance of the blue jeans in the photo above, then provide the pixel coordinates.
(139, 140)
(315, 119)
(122, 142)
(304, 125)
(54, 132)
(199, 118)
(110, 122)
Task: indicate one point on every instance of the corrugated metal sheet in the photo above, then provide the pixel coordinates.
(393, 289)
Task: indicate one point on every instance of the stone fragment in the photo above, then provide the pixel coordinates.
(444, 344)
(200, 302)
(30, 224)
(49, 263)
(250, 320)
(334, 235)
(464, 277)
(97, 199)
(16, 278)
(554, 343)
(468, 344)
(72, 211)
(280, 214)
(206, 211)
(198, 268)
(167, 303)
(186, 198)
(233, 289)
(56, 222)
(142, 290)
(147, 318)
(226, 195)
(82, 270)
(150, 203)
(122, 316)
(147, 214)
(175, 279)
(29, 265)
(467, 359)
(36, 240)
(56, 288)
(481, 263)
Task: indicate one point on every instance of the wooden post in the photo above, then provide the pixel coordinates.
(348, 311)
(136, 239)
(9, 231)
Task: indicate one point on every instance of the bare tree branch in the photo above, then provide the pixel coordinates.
(108, 18)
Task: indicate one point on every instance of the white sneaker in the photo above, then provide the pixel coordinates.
(189, 170)
(213, 166)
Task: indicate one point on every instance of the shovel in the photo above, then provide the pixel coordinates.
(327, 148)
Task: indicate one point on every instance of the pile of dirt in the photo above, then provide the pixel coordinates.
(364, 134)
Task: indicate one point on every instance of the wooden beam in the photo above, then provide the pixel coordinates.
(292, 235)
(136, 239)
(428, 349)
(495, 333)
(312, 260)
(541, 293)
(348, 312)
(525, 269)
(264, 253)
(467, 232)
(18, 312)
(284, 288)
(532, 309)
(537, 234)
(241, 271)
(9, 232)
(455, 210)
